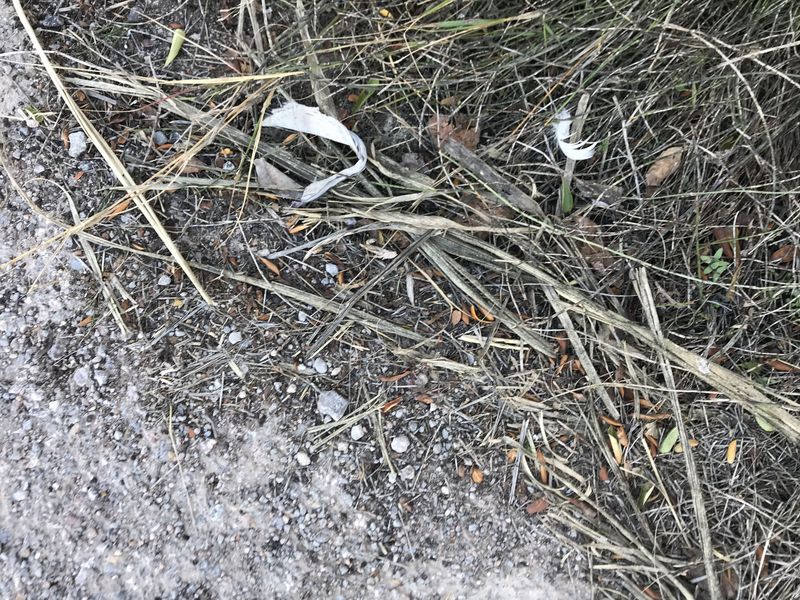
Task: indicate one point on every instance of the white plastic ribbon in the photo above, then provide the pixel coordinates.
(575, 151)
(307, 119)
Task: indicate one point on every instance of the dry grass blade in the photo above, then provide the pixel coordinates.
(113, 161)
(646, 298)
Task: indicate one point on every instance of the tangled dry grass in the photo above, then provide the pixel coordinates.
(591, 316)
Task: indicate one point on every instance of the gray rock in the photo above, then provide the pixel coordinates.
(234, 337)
(77, 143)
(331, 269)
(159, 138)
(164, 280)
(320, 366)
(332, 404)
(357, 432)
(407, 473)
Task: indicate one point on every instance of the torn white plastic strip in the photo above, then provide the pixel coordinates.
(307, 119)
(574, 150)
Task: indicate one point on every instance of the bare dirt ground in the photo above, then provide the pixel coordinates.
(169, 461)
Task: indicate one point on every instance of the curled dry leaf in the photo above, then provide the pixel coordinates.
(664, 166)
(270, 265)
(393, 378)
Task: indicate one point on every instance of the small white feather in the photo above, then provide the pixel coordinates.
(577, 150)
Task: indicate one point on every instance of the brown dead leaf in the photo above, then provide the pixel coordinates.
(543, 475)
(780, 365)
(393, 378)
(603, 474)
(120, 208)
(424, 398)
(610, 421)
(388, 406)
(655, 417)
(476, 475)
(665, 165)
(85, 321)
(538, 506)
(270, 265)
(441, 129)
(455, 317)
(728, 241)
(785, 254)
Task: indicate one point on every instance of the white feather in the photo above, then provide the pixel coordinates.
(577, 150)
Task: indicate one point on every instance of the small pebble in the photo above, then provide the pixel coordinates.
(234, 337)
(407, 472)
(331, 269)
(332, 404)
(357, 432)
(320, 366)
(82, 377)
(164, 280)
(39, 169)
(52, 22)
(159, 138)
(77, 143)
(302, 317)
(19, 496)
(302, 458)
(400, 444)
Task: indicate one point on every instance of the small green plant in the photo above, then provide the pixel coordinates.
(715, 265)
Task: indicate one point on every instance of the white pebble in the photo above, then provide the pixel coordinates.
(302, 317)
(234, 337)
(291, 388)
(357, 432)
(77, 144)
(331, 269)
(407, 472)
(320, 366)
(164, 280)
(400, 444)
(302, 458)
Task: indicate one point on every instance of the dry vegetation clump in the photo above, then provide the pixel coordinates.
(646, 301)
